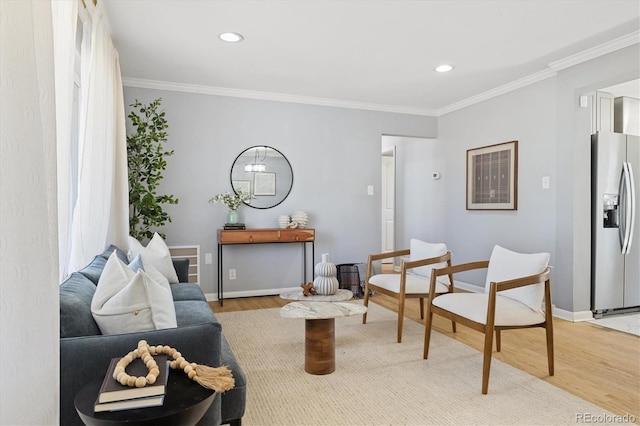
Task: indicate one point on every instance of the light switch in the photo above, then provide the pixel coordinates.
(584, 101)
(545, 182)
(370, 190)
(208, 259)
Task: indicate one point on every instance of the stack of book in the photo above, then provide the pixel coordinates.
(114, 396)
(234, 226)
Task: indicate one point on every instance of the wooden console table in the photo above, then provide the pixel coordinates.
(264, 236)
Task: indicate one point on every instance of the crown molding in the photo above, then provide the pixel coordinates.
(501, 90)
(594, 52)
(553, 68)
(271, 96)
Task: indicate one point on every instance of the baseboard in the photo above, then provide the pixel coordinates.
(212, 297)
(579, 316)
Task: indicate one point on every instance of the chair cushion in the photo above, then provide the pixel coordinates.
(508, 265)
(181, 266)
(415, 284)
(187, 291)
(423, 250)
(127, 301)
(156, 253)
(76, 293)
(109, 251)
(474, 307)
(94, 269)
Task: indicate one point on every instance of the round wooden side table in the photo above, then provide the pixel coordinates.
(185, 403)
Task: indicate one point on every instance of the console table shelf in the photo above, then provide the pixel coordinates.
(264, 236)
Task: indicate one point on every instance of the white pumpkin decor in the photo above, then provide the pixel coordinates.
(326, 283)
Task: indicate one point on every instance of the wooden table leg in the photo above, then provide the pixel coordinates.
(320, 346)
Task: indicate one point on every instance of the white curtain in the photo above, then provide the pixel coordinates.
(100, 216)
(29, 308)
(64, 15)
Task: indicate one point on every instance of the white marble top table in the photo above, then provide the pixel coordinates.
(340, 296)
(321, 310)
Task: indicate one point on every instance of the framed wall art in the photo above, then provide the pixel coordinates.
(264, 183)
(492, 177)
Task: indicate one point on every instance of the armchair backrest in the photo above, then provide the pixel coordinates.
(424, 250)
(507, 265)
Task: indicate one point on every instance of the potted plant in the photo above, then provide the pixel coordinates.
(232, 201)
(146, 161)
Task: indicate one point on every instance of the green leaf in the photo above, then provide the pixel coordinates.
(145, 160)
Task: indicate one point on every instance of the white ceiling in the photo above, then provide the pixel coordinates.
(370, 54)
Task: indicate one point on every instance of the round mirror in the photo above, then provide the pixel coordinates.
(263, 172)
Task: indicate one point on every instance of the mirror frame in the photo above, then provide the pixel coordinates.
(288, 191)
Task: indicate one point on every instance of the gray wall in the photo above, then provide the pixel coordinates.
(418, 199)
(528, 116)
(553, 134)
(334, 152)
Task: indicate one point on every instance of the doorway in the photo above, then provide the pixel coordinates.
(387, 195)
(408, 186)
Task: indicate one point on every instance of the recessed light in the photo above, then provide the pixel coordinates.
(444, 68)
(231, 37)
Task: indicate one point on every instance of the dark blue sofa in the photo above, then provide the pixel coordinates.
(85, 352)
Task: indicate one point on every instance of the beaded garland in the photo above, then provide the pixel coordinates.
(218, 379)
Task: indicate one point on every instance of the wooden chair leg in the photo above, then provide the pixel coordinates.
(486, 363)
(427, 333)
(498, 342)
(422, 308)
(549, 329)
(400, 318)
(366, 301)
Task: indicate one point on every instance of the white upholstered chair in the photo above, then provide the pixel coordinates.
(515, 287)
(414, 277)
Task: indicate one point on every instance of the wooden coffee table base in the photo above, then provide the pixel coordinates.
(320, 346)
(320, 330)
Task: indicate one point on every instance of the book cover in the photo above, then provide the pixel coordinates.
(130, 404)
(111, 390)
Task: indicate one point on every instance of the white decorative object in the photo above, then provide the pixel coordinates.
(156, 253)
(283, 221)
(326, 282)
(126, 301)
(326, 268)
(300, 218)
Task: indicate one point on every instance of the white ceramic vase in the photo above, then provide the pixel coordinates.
(326, 282)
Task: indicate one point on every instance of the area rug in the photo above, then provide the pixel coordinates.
(380, 382)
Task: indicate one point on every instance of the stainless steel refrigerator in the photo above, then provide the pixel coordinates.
(615, 239)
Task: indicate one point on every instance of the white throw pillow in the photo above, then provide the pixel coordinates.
(423, 250)
(508, 265)
(140, 263)
(155, 253)
(127, 301)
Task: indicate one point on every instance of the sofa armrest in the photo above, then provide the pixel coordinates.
(83, 359)
(182, 269)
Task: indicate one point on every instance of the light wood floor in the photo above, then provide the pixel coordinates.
(594, 363)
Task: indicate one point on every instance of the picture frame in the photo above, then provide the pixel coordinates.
(264, 183)
(492, 177)
(244, 185)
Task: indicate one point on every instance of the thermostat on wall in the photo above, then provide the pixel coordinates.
(435, 175)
